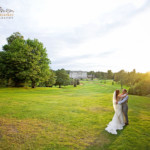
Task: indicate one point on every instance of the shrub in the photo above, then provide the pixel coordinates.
(78, 81)
(141, 88)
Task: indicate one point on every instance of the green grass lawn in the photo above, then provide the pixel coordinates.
(70, 118)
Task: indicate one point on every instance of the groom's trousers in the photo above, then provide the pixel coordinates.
(125, 111)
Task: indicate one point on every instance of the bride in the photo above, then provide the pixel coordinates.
(117, 122)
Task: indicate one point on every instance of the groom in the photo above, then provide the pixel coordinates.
(124, 103)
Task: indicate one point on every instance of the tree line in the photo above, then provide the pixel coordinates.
(138, 83)
(26, 63)
(101, 75)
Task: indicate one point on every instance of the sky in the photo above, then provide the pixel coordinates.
(85, 35)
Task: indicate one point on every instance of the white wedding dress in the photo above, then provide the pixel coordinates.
(117, 122)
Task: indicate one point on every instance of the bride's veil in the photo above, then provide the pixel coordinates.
(114, 101)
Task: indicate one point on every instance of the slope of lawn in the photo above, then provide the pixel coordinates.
(70, 118)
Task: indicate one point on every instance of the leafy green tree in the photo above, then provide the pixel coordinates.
(62, 77)
(24, 61)
(131, 78)
(75, 83)
(71, 81)
(109, 74)
(78, 81)
(50, 82)
(142, 86)
(13, 62)
(52, 79)
(121, 77)
(92, 73)
(38, 62)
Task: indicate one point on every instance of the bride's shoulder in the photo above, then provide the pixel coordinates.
(121, 95)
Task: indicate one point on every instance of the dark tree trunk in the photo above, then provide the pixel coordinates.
(59, 85)
(121, 85)
(9, 82)
(92, 76)
(16, 84)
(33, 84)
(19, 84)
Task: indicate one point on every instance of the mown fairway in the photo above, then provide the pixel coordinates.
(70, 118)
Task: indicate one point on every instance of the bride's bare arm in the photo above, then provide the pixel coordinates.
(117, 99)
(122, 95)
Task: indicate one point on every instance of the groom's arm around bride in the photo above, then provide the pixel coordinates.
(125, 99)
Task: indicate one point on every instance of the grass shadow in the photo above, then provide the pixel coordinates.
(104, 140)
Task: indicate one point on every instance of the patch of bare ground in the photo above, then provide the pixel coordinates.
(99, 142)
(33, 133)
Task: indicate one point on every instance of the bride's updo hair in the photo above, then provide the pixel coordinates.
(117, 93)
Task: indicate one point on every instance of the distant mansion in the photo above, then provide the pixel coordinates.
(78, 74)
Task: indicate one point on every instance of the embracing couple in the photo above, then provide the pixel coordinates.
(120, 104)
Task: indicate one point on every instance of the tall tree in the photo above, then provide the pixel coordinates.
(92, 73)
(109, 74)
(62, 77)
(52, 79)
(38, 62)
(132, 77)
(12, 60)
(121, 76)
